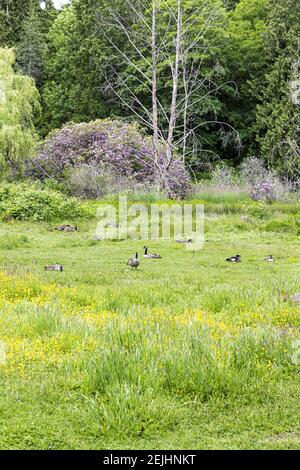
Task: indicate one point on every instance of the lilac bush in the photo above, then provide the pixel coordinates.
(113, 148)
(269, 189)
(262, 184)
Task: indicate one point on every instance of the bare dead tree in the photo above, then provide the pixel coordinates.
(170, 43)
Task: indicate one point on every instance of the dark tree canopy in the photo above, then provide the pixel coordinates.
(250, 53)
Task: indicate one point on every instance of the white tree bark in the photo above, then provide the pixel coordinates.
(175, 74)
(154, 91)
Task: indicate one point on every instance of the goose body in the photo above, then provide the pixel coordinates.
(185, 241)
(150, 255)
(134, 262)
(234, 259)
(66, 228)
(269, 259)
(54, 267)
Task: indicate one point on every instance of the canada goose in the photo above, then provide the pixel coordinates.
(185, 241)
(150, 255)
(234, 259)
(134, 262)
(66, 228)
(269, 259)
(54, 267)
(70, 228)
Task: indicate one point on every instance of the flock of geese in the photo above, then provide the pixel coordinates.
(135, 261)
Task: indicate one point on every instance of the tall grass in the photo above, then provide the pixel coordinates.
(186, 351)
(139, 369)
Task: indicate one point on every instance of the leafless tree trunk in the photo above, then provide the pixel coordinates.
(175, 73)
(185, 110)
(171, 44)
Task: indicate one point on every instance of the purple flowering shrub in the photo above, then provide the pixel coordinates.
(263, 184)
(270, 189)
(113, 148)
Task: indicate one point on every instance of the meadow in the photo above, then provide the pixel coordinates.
(186, 352)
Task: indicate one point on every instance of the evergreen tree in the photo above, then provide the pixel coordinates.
(231, 4)
(12, 15)
(32, 47)
(278, 114)
(75, 61)
(47, 15)
(245, 63)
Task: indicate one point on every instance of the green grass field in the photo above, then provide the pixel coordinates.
(186, 352)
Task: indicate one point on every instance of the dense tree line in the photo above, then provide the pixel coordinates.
(246, 62)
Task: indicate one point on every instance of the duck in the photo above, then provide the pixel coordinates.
(150, 255)
(185, 241)
(269, 259)
(234, 259)
(54, 267)
(134, 262)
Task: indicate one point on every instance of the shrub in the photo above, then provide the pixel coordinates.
(27, 202)
(252, 171)
(88, 181)
(91, 181)
(112, 148)
(257, 210)
(263, 184)
(224, 177)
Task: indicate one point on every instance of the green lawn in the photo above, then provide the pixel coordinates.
(186, 352)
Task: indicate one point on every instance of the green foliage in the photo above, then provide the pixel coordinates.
(25, 202)
(32, 48)
(282, 226)
(231, 4)
(278, 114)
(245, 62)
(13, 15)
(233, 55)
(19, 106)
(72, 90)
